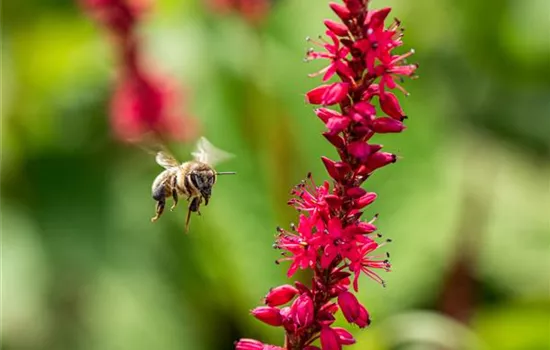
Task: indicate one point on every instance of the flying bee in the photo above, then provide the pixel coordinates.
(192, 180)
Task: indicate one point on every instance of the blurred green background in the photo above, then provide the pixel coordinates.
(467, 207)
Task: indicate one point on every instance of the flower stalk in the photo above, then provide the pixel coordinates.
(332, 239)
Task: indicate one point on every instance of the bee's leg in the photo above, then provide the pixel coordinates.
(175, 198)
(160, 196)
(195, 204)
(174, 193)
(159, 209)
(187, 220)
(193, 207)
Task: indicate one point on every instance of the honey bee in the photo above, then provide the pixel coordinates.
(193, 179)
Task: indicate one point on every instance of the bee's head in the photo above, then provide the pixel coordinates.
(203, 180)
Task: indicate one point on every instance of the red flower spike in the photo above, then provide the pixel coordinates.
(387, 125)
(143, 103)
(331, 240)
(340, 10)
(337, 28)
(280, 295)
(269, 315)
(330, 340)
(302, 311)
(346, 338)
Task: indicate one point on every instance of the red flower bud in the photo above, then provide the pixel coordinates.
(337, 28)
(249, 344)
(302, 311)
(345, 337)
(340, 10)
(336, 125)
(386, 125)
(268, 314)
(335, 140)
(333, 201)
(354, 6)
(360, 150)
(365, 200)
(365, 227)
(331, 168)
(330, 307)
(365, 108)
(349, 305)
(280, 295)
(364, 319)
(328, 94)
(330, 340)
(380, 159)
(375, 19)
(355, 192)
(315, 96)
(336, 93)
(325, 114)
(390, 106)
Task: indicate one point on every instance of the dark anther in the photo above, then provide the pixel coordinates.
(389, 240)
(388, 254)
(279, 229)
(309, 175)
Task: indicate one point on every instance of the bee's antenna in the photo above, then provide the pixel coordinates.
(226, 173)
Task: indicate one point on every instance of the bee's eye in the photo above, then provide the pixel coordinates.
(196, 180)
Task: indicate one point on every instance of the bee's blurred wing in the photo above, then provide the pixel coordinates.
(165, 160)
(209, 154)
